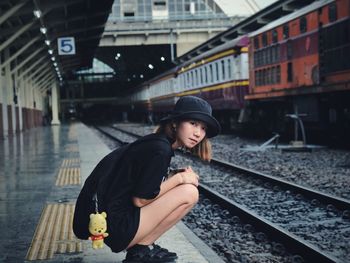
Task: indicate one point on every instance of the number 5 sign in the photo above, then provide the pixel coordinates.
(66, 46)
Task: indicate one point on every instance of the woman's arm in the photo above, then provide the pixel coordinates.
(186, 177)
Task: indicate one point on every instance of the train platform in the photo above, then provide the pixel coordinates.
(41, 173)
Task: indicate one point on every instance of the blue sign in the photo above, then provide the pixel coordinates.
(66, 46)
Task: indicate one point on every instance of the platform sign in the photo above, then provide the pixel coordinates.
(66, 46)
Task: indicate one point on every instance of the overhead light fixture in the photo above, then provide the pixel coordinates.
(50, 51)
(47, 42)
(117, 56)
(150, 66)
(162, 58)
(141, 76)
(37, 13)
(55, 64)
(53, 58)
(43, 30)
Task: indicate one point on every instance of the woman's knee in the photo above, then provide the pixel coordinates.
(190, 193)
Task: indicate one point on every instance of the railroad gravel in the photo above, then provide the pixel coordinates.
(326, 170)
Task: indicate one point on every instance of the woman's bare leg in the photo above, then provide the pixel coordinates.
(159, 216)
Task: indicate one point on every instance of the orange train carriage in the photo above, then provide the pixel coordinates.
(300, 64)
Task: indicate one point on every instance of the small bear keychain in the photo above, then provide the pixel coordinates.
(97, 227)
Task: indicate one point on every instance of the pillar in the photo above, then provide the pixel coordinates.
(3, 85)
(54, 94)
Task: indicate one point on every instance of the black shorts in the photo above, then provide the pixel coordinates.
(122, 228)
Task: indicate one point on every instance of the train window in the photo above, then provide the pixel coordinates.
(289, 72)
(285, 31)
(264, 39)
(223, 71)
(191, 79)
(187, 79)
(229, 61)
(274, 36)
(289, 49)
(303, 24)
(269, 76)
(256, 42)
(200, 76)
(277, 50)
(260, 57)
(206, 74)
(278, 74)
(270, 55)
(332, 12)
(217, 70)
(210, 74)
(265, 77)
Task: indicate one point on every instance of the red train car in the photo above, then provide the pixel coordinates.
(300, 64)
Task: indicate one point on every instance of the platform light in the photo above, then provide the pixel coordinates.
(43, 30)
(150, 66)
(37, 13)
(162, 58)
(117, 56)
(50, 51)
(55, 64)
(47, 42)
(53, 58)
(141, 76)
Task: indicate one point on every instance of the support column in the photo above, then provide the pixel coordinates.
(11, 111)
(3, 85)
(54, 94)
(19, 101)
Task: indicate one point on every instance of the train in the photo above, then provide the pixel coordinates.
(296, 67)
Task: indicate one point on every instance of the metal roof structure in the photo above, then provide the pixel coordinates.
(252, 23)
(294, 15)
(29, 30)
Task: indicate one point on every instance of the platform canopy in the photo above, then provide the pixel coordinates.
(35, 30)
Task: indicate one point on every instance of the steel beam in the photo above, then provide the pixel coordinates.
(18, 33)
(12, 11)
(26, 60)
(20, 51)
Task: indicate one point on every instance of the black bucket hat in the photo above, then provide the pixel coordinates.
(194, 108)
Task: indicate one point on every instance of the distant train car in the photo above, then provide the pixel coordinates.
(220, 76)
(300, 64)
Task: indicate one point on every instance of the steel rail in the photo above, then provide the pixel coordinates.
(293, 244)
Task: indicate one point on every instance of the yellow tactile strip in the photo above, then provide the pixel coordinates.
(70, 162)
(68, 176)
(54, 233)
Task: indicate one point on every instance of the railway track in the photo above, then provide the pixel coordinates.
(263, 196)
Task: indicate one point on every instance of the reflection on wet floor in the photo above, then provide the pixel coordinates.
(30, 162)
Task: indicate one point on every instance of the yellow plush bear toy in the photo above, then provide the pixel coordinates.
(97, 229)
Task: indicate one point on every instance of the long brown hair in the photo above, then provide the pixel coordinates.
(202, 149)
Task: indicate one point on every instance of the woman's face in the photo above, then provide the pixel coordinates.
(189, 133)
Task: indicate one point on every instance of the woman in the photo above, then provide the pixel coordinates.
(142, 203)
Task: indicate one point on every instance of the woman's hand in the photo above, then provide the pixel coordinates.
(188, 176)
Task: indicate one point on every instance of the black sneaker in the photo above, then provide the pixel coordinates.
(149, 254)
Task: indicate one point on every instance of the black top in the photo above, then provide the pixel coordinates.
(139, 173)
